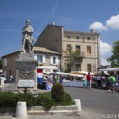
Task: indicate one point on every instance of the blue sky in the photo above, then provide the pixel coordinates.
(77, 15)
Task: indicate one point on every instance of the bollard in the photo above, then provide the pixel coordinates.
(21, 111)
(78, 103)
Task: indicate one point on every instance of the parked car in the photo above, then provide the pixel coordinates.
(2, 77)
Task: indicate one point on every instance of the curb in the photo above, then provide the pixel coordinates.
(66, 110)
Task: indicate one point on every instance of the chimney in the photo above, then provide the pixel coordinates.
(91, 30)
(52, 23)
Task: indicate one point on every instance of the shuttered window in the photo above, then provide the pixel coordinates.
(40, 58)
(54, 60)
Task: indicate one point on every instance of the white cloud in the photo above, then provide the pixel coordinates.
(105, 48)
(105, 52)
(104, 62)
(113, 22)
(98, 26)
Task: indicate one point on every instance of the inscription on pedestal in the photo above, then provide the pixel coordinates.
(25, 83)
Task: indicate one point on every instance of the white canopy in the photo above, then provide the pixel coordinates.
(81, 72)
(47, 67)
(61, 73)
(76, 75)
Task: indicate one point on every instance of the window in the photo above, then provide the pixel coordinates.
(54, 60)
(77, 37)
(78, 67)
(89, 67)
(88, 38)
(68, 36)
(40, 58)
(78, 48)
(88, 49)
(69, 48)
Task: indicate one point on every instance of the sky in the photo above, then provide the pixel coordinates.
(74, 15)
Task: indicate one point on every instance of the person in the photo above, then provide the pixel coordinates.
(117, 82)
(108, 83)
(112, 79)
(51, 78)
(57, 78)
(27, 39)
(84, 80)
(11, 78)
(61, 79)
(88, 77)
(99, 80)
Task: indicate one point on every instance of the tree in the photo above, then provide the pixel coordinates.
(71, 57)
(114, 59)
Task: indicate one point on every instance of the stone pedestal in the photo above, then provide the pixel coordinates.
(21, 110)
(1, 83)
(25, 73)
(78, 103)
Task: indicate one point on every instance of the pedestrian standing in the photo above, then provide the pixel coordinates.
(99, 80)
(88, 77)
(112, 79)
(61, 79)
(11, 78)
(84, 81)
(117, 82)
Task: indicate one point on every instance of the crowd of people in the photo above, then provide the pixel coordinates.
(109, 82)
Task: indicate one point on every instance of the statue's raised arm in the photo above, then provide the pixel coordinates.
(27, 39)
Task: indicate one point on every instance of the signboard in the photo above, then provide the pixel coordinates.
(25, 83)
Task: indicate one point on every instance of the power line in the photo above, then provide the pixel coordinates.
(49, 16)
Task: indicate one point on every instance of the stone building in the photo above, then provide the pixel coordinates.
(57, 39)
(43, 55)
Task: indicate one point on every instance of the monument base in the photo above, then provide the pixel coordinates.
(26, 79)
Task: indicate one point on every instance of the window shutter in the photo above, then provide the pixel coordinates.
(57, 61)
(35, 56)
(51, 59)
(43, 58)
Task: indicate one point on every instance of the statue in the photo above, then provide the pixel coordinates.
(27, 39)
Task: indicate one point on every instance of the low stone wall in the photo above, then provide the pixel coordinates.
(54, 109)
(37, 110)
(41, 110)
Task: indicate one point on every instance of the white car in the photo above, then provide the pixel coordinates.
(2, 77)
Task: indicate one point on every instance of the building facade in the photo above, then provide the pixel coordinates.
(57, 39)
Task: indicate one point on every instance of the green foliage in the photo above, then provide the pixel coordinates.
(67, 100)
(70, 58)
(45, 100)
(114, 59)
(57, 92)
(27, 97)
(9, 99)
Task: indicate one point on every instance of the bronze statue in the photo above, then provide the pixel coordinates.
(27, 39)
